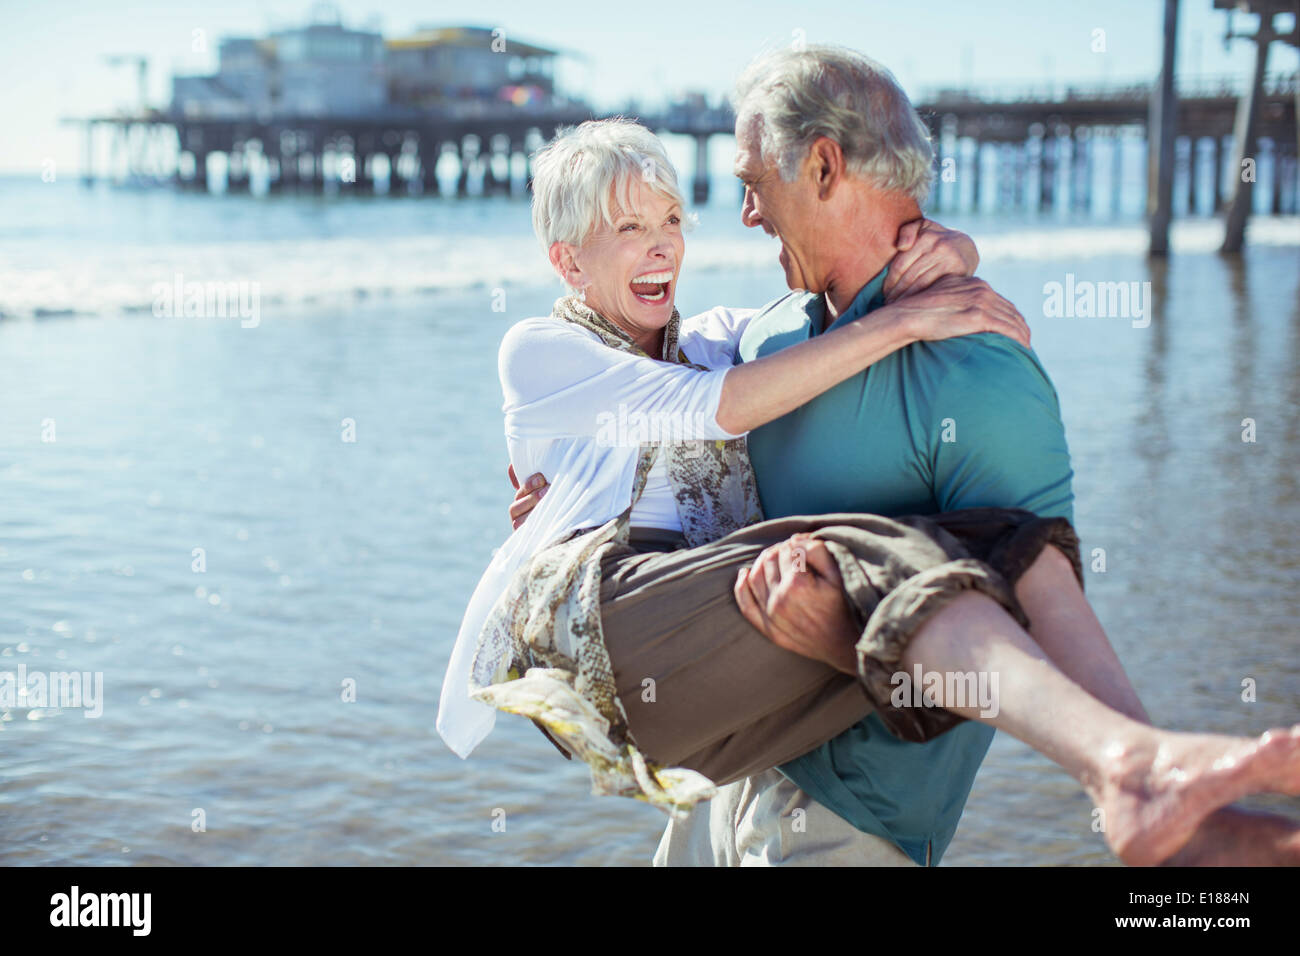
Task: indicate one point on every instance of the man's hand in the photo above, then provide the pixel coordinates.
(526, 498)
(794, 596)
(926, 253)
(958, 306)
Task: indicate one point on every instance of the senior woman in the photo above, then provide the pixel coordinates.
(608, 616)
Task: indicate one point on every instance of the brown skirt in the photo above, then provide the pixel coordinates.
(703, 689)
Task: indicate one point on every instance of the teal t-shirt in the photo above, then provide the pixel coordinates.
(966, 422)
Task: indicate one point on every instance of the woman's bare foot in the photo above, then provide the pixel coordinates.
(1155, 794)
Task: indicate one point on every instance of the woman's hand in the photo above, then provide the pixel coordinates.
(794, 596)
(526, 498)
(926, 253)
(957, 306)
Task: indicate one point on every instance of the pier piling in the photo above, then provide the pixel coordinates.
(1161, 132)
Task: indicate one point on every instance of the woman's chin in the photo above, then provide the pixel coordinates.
(635, 314)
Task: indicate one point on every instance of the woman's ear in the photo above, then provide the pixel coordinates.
(565, 264)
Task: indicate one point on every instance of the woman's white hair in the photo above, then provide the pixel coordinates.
(586, 169)
(831, 91)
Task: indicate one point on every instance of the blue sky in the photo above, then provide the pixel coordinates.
(51, 52)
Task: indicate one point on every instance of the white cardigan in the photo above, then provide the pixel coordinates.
(571, 412)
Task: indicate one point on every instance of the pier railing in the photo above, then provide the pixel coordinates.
(1205, 86)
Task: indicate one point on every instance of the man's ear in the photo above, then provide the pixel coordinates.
(828, 167)
(564, 263)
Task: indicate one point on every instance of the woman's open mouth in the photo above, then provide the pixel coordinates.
(652, 288)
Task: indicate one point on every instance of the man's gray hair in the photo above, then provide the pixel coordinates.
(580, 174)
(823, 90)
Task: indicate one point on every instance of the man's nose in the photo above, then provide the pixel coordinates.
(749, 209)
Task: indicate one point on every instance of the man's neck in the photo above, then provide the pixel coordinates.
(867, 243)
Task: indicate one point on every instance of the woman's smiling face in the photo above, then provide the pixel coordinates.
(629, 269)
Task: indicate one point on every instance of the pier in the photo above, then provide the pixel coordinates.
(1026, 148)
(1042, 143)
(327, 109)
(316, 154)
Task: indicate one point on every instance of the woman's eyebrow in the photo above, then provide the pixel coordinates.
(676, 208)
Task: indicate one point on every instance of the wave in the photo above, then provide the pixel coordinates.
(49, 278)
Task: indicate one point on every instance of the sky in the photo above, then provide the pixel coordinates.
(52, 52)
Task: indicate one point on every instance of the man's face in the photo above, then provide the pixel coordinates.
(788, 211)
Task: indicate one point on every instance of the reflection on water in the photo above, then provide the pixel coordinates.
(327, 562)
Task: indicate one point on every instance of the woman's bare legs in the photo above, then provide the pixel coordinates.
(1155, 787)
(1063, 624)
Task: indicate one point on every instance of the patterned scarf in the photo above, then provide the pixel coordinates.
(542, 652)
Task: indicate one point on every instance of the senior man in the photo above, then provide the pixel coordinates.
(835, 160)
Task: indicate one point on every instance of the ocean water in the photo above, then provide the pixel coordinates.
(261, 527)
